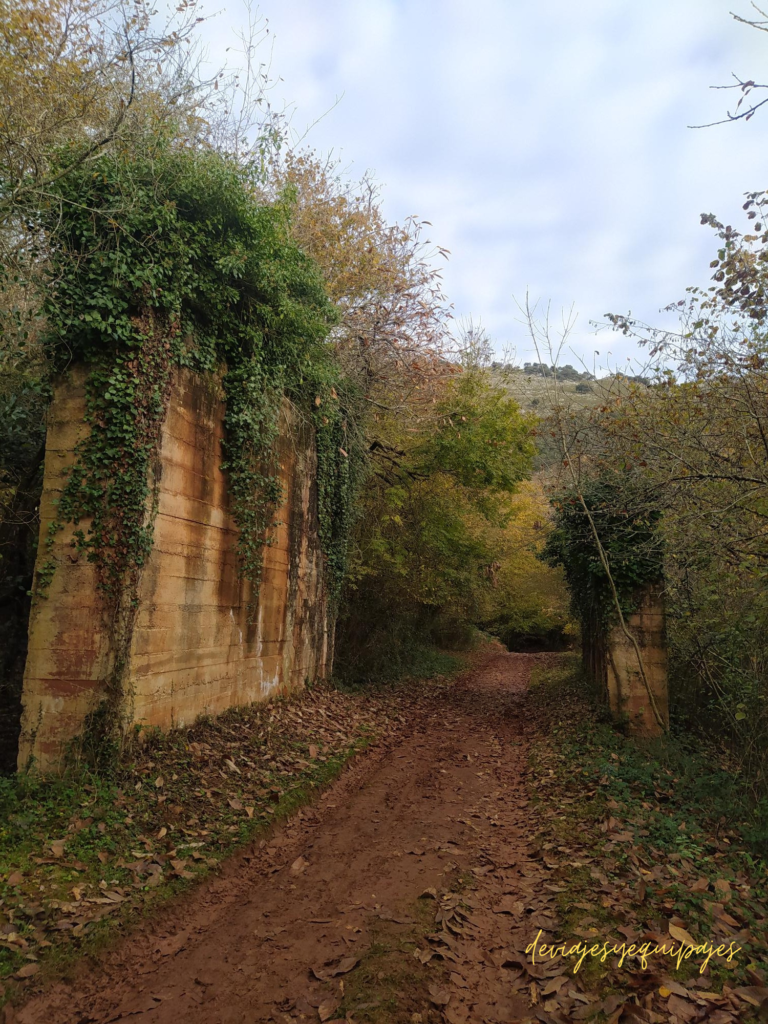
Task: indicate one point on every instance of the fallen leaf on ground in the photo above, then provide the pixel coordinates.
(344, 966)
(752, 994)
(27, 970)
(554, 985)
(681, 1008)
(723, 889)
(439, 996)
(173, 944)
(509, 905)
(456, 1014)
(611, 1004)
(675, 988)
(681, 935)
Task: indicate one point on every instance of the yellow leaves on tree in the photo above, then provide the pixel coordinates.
(70, 73)
(393, 331)
(57, 68)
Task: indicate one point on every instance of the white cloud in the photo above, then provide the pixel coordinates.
(547, 143)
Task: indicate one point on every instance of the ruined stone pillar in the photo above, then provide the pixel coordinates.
(198, 645)
(627, 693)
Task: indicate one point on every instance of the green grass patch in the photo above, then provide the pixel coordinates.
(390, 984)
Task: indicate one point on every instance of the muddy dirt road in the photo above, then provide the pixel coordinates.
(331, 917)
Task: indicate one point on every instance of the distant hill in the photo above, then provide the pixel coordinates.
(535, 385)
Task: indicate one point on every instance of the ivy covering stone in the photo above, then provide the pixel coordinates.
(630, 538)
(169, 258)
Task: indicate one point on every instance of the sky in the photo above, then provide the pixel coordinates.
(547, 142)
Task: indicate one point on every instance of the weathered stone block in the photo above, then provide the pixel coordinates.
(197, 647)
(611, 659)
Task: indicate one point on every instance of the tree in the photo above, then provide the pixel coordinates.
(392, 336)
(746, 106)
(696, 437)
(72, 72)
(426, 549)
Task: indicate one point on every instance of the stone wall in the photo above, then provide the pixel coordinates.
(195, 648)
(611, 659)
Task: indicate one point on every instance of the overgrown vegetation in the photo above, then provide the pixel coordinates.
(670, 827)
(679, 464)
(181, 240)
(161, 223)
(196, 272)
(630, 539)
(434, 554)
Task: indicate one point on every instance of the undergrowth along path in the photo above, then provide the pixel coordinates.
(410, 891)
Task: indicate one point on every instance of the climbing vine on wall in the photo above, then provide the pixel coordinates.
(169, 259)
(125, 399)
(341, 464)
(628, 526)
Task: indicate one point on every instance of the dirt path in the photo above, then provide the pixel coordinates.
(276, 936)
